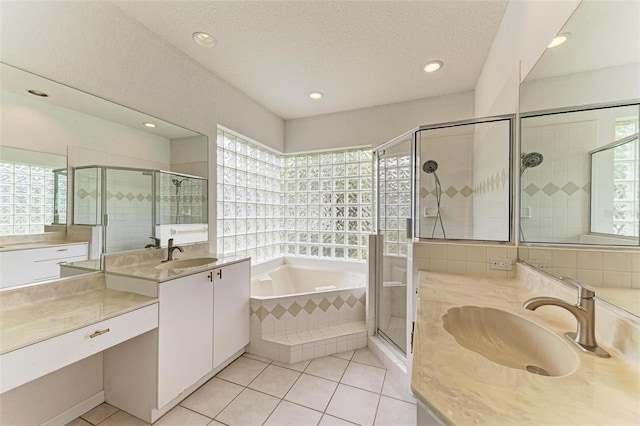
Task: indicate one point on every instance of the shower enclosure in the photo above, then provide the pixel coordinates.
(394, 164)
(129, 206)
(440, 182)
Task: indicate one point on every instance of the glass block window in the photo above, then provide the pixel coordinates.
(250, 202)
(312, 204)
(26, 198)
(395, 202)
(328, 199)
(626, 172)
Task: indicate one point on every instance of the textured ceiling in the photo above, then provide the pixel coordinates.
(358, 53)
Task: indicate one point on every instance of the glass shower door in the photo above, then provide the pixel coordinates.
(128, 209)
(394, 189)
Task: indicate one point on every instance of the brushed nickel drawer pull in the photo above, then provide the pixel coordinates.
(99, 332)
(62, 249)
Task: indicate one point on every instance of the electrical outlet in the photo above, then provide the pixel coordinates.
(501, 263)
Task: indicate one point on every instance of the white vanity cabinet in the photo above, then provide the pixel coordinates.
(203, 323)
(231, 310)
(185, 334)
(30, 265)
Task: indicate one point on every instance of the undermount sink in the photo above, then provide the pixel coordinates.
(510, 340)
(186, 263)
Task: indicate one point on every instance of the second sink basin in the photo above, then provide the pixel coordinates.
(510, 340)
(186, 263)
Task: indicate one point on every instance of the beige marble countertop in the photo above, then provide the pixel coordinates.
(33, 314)
(462, 387)
(38, 244)
(142, 264)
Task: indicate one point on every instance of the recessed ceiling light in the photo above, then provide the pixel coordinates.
(315, 95)
(38, 93)
(432, 66)
(204, 39)
(150, 125)
(558, 40)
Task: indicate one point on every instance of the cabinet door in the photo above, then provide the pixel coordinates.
(185, 334)
(231, 287)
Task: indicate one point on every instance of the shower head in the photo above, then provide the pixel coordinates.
(532, 159)
(177, 182)
(430, 166)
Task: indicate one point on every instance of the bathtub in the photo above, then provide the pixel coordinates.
(289, 280)
(304, 312)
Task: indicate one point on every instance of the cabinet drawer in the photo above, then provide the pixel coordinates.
(59, 252)
(33, 361)
(49, 269)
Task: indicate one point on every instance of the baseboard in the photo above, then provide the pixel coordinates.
(76, 411)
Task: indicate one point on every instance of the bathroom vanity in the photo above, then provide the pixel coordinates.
(161, 331)
(203, 325)
(31, 262)
(455, 383)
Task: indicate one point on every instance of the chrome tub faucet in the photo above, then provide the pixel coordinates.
(585, 313)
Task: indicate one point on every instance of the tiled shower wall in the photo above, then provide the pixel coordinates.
(313, 204)
(491, 182)
(555, 195)
(454, 155)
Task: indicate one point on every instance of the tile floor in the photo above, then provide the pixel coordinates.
(343, 389)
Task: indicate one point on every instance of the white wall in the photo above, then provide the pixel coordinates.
(94, 47)
(376, 125)
(526, 29)
(28, 123)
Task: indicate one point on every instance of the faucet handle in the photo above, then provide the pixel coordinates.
(584, 291)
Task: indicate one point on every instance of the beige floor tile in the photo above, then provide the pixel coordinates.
(328, 367)
(365, 356)
(78, 422)
(275, 381)
(122, 418)
(257, 357)
(288, 414)
(248, 409)
(345, 355)
(353, 404)
(364, 377)
(298, 366)
(215, 423)
(99, 413)
(242, 371)
(328, 420)
(392, 412)
(180, 416)
(212, 397)
(393, 389)
(312, 392)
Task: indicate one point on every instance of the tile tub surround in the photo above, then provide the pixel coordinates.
(32, 314)
(463, 387)
(343, 389)
(298, 328)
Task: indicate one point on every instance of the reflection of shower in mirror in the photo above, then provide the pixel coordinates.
(430, 167)
(530, 160)
(178, 184)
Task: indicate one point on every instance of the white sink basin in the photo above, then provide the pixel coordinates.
(510, 340)
(186, 263)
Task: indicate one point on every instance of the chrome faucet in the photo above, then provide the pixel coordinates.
(170, 249)
(585, 313)
(155, 244)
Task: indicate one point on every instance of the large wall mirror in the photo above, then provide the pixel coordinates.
(580, 157)
(75, 167)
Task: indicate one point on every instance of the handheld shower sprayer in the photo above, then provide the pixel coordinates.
(530, 160)
(430, 167)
